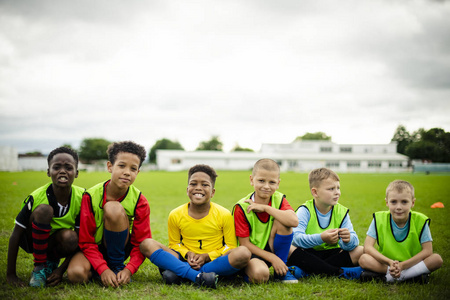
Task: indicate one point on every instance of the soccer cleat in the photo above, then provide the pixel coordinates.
(367, 275)
(38, 277)
(297, 272)
(170, 277)
(207, 279)
(288, 278)
(421, 279)
(351, 273)
(50, 266)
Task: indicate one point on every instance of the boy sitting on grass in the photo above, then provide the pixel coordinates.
(45, 225)
(264, 221)
(202, 240)
(404, 240)
(115, 219)
(324, 240)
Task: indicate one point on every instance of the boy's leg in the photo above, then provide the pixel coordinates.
(115, 235)
(40, 232)
(257, 271)
(229, 264)
(79, 270)
(167, 259)
(368, 262)
(428, 265)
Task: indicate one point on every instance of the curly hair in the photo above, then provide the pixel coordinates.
(63, 150)
(205, 169)
(127, 146)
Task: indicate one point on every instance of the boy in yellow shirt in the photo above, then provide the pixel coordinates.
(202, 240)
(405, 249)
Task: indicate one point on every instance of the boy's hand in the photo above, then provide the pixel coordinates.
(330, 236)
(278, 265)
(394, 269)
(55, 277)
(255, 207)
(196, 261)
(15, 281)
(344, 234)
(109, 278)
(124, 276)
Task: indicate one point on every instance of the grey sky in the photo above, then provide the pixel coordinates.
(251, 72)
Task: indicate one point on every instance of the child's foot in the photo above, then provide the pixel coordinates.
(297, 272)
(50, 266)
(421, 279)
(351, 273)
(38, 277)
(288, 278)
(207, 279)
(367, 275)
(170, 277)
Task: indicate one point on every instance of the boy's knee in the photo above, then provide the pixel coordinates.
(363, 260)
(77, 274)
(112, 210)
(148, 246)
(43, 213)
(69, 242)
(240, 257)
(260, 276)
(434, 262)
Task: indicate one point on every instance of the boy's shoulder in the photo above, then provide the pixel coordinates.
(182, 209)
(219, 208)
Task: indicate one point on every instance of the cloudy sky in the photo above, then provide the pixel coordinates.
(249, 71)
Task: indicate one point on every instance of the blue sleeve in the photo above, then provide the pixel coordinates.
(372, 232)
(354, 241)
(426, 234)
(301, 239)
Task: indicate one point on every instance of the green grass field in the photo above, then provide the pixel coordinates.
(362, 193)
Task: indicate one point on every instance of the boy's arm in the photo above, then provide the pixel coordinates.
(140, 231)
(301, 239)
(86, 238)
(229, 236)
(175, 236)
(13, 249)
(370, 249)
(286, 217)
(427, 250)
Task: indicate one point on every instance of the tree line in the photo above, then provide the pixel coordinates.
(428, 145)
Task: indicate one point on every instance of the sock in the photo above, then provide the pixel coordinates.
(167, 261)
(389, 278)
(39, 235)
(220, 266)
(281, 246)
(115, 247)
(312, 264)
(416, 270)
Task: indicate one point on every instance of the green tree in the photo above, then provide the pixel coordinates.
(321, 136)
(68, 146)
(239, 148)
(92, 149)
(214, 144)
(433, 145)
(403, 139)
(163, 144)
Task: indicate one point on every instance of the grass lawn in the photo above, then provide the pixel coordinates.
(363, 194)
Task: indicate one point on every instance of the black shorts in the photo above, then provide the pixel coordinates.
(336, 256)
(266, 248)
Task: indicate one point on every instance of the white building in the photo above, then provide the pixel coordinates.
(9, 159)
(299, 156)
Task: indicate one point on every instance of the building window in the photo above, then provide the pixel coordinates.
(346, 149)
(326, 149)
(176, 161)
(374, 164)
(332, 164)
(395, 164)
(353, 164)
(292, 163)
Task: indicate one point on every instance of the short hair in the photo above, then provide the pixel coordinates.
(127, 146)
(316, 176)
(266, 164)
(63, 149)
(205, 169)
(400, 186)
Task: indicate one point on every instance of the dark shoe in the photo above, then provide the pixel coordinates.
(422, 279)
(367, 275)
(170, 277)
(297, 272)
(38, 277)
(351, 273)
(288, 278)
(207, 279)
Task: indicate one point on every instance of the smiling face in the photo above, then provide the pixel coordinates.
(124, 170)
(265, 183)
(326, 194)
(400, 204)
(62, 170)
(200, 189)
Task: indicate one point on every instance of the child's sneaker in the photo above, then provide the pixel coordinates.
(297, 272)
(207, 279)
(170, 277)
(288, 278)
(38, 277)
(367, 275)
(50, 266)
(351, 273)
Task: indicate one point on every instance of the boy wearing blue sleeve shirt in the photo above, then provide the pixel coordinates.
(404, 240)
(324, 240)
